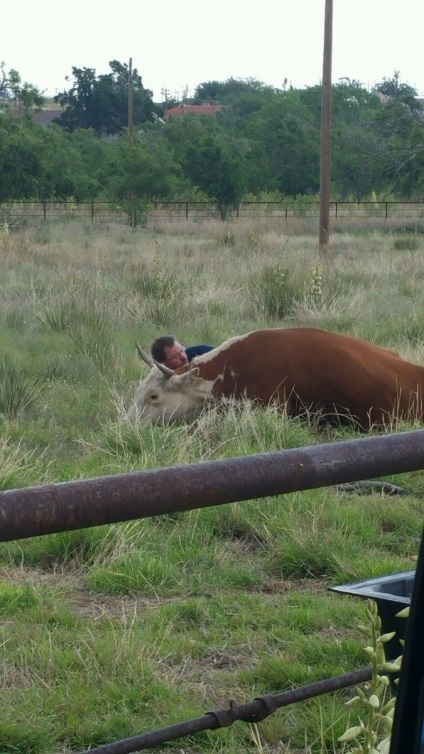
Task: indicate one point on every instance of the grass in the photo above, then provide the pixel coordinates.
(112, 631)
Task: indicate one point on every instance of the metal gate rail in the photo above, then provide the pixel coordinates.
(252, 712)
(52, 508)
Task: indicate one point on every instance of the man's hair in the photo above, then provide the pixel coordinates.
(158, 346)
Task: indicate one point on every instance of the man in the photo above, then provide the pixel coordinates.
(168, 351)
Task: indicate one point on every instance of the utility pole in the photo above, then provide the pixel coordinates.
(132, 210)
(325, 167)
(130, 105)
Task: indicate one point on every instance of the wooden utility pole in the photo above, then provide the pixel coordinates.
(130, 105)
(325, 169)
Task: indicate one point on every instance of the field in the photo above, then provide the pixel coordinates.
(109, 632)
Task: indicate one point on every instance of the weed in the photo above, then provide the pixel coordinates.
(19, 391)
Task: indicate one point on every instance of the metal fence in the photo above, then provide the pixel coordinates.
(36, 511)
(408, 212)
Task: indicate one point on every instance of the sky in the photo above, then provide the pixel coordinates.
(175, 45)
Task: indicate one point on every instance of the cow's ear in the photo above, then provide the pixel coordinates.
(194, 372)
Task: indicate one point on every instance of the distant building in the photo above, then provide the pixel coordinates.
(43, 116)
(179, 110)
(46, 116)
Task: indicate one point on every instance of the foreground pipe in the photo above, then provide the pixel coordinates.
(52, 508)
(252, 712)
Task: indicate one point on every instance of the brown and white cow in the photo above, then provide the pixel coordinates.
(339, 376)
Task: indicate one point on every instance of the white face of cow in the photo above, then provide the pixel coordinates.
(162, 399)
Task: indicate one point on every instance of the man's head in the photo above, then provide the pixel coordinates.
(167, 350)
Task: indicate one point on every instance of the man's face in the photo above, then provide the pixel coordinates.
(175, 356)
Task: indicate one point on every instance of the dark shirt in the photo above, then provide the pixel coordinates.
(193, 351)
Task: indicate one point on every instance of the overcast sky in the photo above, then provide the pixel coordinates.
(178, 44)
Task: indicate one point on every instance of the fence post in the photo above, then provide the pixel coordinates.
(44, 210)
(186, 211)
(387, 210)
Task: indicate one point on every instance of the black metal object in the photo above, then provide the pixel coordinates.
(408, 724)
(52, 508)
(253, 712)
(392, 594)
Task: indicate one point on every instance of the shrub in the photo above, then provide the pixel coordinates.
(406, 243)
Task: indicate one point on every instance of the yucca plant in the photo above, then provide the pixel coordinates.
(162, 296)
(272, 292)
(94, 340)
(6, 237)
(15, 319)
(315, 290)
(19, 390)
(371, 734)
(59, 316)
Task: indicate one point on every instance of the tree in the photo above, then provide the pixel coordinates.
(101, 102)
(283, 152)
(219, 91)
(94, 156)
(19, 160)
(356, 142)
(402, 155)
(42, 163)
(211, 158)
(394, 87)
(25, 95)
(141, 172)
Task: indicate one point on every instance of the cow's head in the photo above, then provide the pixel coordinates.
(165, 396)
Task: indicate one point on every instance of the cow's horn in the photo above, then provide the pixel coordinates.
(152, 362)
(165, 370)
(145, 356)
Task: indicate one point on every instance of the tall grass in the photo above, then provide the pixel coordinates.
(110, 631)
(19, 390)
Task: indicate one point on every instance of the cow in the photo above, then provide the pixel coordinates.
(302, 369)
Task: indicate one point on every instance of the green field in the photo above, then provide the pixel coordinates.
(109, 632)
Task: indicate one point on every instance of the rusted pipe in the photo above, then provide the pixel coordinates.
(34, 511)
(252, 712)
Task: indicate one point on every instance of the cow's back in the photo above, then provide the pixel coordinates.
(319, 370)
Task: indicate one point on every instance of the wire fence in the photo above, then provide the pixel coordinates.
(411, 214)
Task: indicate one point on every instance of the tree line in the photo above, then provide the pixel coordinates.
(264, 142)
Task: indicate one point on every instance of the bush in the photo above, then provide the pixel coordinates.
(406, 243)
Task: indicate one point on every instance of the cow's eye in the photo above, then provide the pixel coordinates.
(153, 397)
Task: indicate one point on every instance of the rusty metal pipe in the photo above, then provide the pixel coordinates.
(252, 712)
(34, 511)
